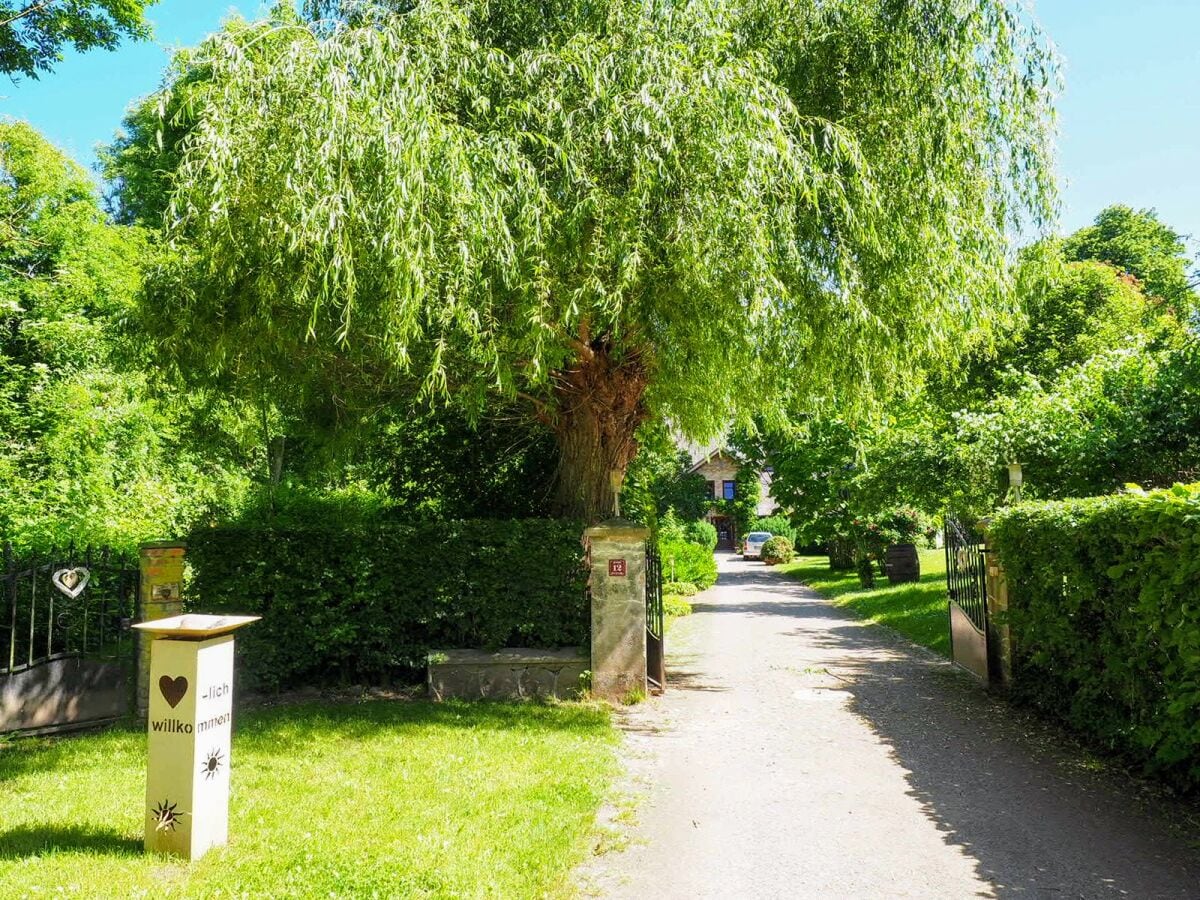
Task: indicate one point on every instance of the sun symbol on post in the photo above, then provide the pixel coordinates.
(166, 815)
(212, 764)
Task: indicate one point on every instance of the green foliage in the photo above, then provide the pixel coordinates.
(747, 492)
(703, 533)
(670, 528)
(673, 531)
(364, 598)
(1095, 385)
(94, 450)
(1126, 415)
(778, 550)
(902, 525)
(683, 199)
(1105, 627)
(1138, 243)
(658, 480)
(816, 465)
(675, 606)
(438, 463)
(1084, 309)
(777, 525)
(685, 561)
(32, 34)
(141, 163)
(680, 588)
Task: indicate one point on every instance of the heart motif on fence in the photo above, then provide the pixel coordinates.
(173, 689)
(71, 581)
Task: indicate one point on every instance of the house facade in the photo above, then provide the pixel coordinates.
(719, 468)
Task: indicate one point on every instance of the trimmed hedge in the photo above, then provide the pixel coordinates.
(1104, 600)
(365, 600)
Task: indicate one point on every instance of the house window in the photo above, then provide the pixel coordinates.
(712, 489)
(727, 490)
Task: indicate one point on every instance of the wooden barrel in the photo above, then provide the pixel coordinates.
(903, 564)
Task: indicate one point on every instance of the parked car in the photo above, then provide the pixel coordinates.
(752, 548)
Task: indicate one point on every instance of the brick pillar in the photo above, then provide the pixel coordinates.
(159, 597)
(998, 632)
(618, 582)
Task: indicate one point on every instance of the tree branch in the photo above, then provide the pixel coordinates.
(27, 11)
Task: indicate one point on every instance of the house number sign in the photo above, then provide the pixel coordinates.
(617, 568)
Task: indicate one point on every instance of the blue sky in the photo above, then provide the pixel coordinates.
(1130, 116)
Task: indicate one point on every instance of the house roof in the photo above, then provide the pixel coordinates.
(706, 455)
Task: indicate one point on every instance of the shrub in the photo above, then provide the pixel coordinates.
(681, 588)
(685, 561)
(675, 606)
(702, 533)
(366, 599)
(1104, 622)
(777, 550)
(670, 529)
(776, 525)
(901, 525)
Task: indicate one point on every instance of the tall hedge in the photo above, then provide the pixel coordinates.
(365, 601)
(1105, 617)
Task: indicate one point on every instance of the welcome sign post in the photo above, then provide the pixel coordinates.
(189, 724)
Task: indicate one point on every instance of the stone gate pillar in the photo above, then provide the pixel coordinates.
(160, 596)
(618, 583)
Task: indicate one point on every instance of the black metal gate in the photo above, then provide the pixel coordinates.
(966, 584)
(656, 658)
(66, 651)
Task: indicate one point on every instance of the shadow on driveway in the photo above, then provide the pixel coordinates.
(1014, 792)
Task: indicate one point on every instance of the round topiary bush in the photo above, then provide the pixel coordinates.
(777, 550)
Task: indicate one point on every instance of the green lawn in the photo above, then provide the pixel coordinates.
(388, 798)
(917, 611)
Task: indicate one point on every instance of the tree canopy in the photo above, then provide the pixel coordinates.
(614, 211)
(33, 32)
(1092, 385)
(90, 450)
(1136, 242)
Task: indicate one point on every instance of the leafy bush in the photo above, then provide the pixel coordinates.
(901, 525)
(777, 550)
(681, 588)
(776, 525)
(685, 561)
(365, 599)
(672, 531)
(675, 606)
(702, 533)
(670, 528)
(1104, 622)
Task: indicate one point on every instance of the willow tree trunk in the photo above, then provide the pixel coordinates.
(598, 405)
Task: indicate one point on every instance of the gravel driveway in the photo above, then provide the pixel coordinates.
(801, 753)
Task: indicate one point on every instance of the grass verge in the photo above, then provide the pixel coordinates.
(379, 798)
(917, 610)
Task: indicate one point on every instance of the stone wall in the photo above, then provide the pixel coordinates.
(512, 674)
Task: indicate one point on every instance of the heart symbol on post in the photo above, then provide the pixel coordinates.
(71, 581)
(173, 689)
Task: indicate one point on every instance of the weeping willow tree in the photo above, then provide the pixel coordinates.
(609, 210)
